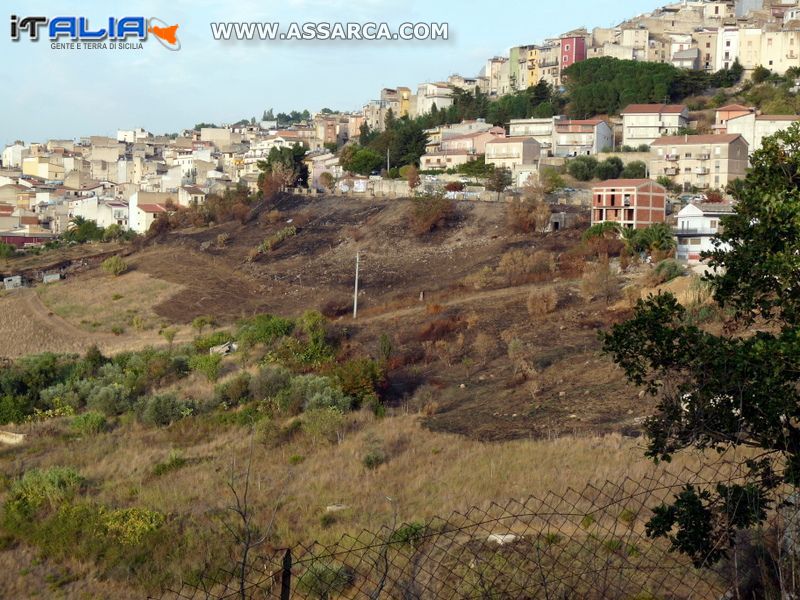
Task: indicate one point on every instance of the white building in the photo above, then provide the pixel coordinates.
(754, 128)
(145, 207)
(103, 211)
(13, 155)
(429, 94)
(697, 225)
(642, 124)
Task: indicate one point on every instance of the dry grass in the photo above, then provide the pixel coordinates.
(98, 302)
(426, 473)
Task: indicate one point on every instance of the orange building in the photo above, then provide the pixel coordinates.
(633, 203)
(726, 113)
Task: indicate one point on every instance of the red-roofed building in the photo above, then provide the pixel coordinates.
(633, 203)
(725, 113)
(642, 124)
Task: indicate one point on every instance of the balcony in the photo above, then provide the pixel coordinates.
(672, 157)
(704, 157)
(701, 171)
(671, 171)
(502, 155)
(693, 232)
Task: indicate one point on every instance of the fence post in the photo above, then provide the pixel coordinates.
(286, 575)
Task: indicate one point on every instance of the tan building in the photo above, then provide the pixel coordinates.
(644, 123)
(706, 42)
(510, 153)
(633, 203)
(701, 161)
(728, 112)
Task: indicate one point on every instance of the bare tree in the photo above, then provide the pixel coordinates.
(242, 527)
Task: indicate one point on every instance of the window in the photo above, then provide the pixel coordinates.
(695, 241)
(566, 47)
(712, 224)
(687, 155)
(708, 44)
(728, 44)
(717, 150)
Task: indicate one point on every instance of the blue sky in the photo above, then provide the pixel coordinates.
(70, 93)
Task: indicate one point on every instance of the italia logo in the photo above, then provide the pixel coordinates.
(78, 29)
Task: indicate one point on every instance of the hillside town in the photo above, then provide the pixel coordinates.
(129, 180)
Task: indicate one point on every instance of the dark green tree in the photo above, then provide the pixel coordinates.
(737, 389)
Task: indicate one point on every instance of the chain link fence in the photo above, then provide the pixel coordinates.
(588, 544)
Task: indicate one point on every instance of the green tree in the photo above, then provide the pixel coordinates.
(362, 161)
(636, 169)
(610, 168)
(739, 389)
(498, 180)
(582, 168)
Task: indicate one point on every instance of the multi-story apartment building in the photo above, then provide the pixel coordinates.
(754, 128)
(573, 48)
(550, 62)
(439, 94)
(498, 73)
(633, 203)
(701, 161)
(511, 153)
(518, 67)
(539, 129)
(581, 137)
(459, 149)
(534, 72)
(727, 47)
(705, 41)
(644, 123)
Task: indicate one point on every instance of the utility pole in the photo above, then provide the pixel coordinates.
(388, 162)
(355, 292)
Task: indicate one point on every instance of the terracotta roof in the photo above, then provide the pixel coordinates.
(152, 208)
(193, 189)
(516, 138)
(616, 183)
(689, 140)
(714, 207)
(644, 109)
(778, 118)
(730, 107)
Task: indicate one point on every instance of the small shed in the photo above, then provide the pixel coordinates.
(51, 277)
(12, 283)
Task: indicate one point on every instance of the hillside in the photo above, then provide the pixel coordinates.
(479, 331)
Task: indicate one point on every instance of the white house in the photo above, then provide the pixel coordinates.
(754, 128)
(697, 224)
(103, 211)
(145, 207)
(191, 195)
(644, 123)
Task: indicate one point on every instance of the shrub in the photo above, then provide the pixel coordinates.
(409, 533)
(542, 302)
(112, 399)
(47, 488)
(361, 379)
(325, 580)
(600, 281)
(323, 423)
(174, 461)
(269, 382)
(454, 186)
(205, 343)
(665, 271)
(276, 238)
(308, 392)
(162, 410)
(374, 458)
(129, 526)
(263, 329)
(337, 306)
(519, 267)
(89, 423)
(209, 365)
(115, 265)
(528, 215)
(429, 213)
(234, 391)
